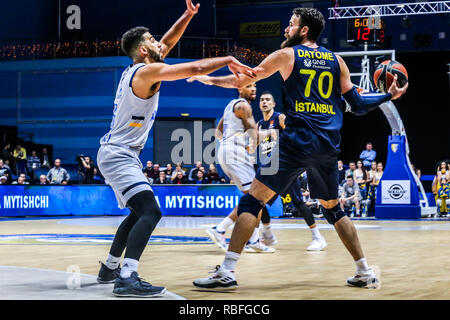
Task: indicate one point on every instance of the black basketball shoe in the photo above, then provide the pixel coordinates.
(106, 275)
(136, 287)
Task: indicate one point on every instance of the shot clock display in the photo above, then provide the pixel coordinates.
(365, 30)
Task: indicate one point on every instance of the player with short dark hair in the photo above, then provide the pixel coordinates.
(314, 82)
(135, 107)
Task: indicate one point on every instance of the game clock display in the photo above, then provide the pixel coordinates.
(365, 30)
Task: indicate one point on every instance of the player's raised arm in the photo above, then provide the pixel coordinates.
(173, 35)
(157, 72)
(360, 104)
(278, 61)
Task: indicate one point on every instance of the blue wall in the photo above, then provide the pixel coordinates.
(68, 102)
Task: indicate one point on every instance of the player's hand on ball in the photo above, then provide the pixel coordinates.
(395, 90)
(191, 9)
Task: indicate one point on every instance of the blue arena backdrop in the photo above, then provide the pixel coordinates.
(186, 200)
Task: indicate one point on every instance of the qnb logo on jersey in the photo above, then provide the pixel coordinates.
(396, 191)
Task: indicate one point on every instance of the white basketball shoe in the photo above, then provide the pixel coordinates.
(220, 280)
(258, 247)
(367, 279)
(317, 245)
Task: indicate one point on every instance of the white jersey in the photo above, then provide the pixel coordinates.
(233, 128)
(133, 117)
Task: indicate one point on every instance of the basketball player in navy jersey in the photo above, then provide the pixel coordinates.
(314, 80)
(237, 132)
(135, 107)
(274, 122)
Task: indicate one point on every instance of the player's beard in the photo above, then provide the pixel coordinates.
(293, 41)
(156, 56)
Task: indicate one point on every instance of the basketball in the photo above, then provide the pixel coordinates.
(384, 74)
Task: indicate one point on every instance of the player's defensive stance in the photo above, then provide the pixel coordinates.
(314, 80)
(135, 108)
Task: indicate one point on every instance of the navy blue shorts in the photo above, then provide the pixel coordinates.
(294, 156)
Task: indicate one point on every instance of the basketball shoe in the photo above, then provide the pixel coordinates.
(367, 279)
(220, 280)
(218, 238)
(258, 247)
(268, 238)
(107, 275)
(317, 245)
(136, 287)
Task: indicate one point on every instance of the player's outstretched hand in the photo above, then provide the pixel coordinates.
(191, 9)
(202, 79)
(238, 68)
(395, 90)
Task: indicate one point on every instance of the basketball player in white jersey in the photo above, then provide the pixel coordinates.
(237, 131)
(135, 108)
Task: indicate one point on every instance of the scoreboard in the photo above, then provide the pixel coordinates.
(365, 30)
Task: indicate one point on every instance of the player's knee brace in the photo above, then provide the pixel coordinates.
(265, 217)
(249, 204)
(334, 215)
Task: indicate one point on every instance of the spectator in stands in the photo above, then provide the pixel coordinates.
(150, 180)
(372, 194)
(86, 169)
(180, 178)
(5, 170)
(154, 172)
(351, 195)
(201, 178)
(341, 171)
(57, 174)
(179, 167)
(20, 156)
(212, 175)
(368, 155)
(6, 153)
(351, 169)
(371, 172)
(443, 196)
(162, 179)
(45, 159)
(416, 171)
(4, 180)
(21, 179)
(193, 172)
(148, 168)
(169, 170)
(33, 164)
(443, 170)
(43, 180)
(360, 176)
(98, 178)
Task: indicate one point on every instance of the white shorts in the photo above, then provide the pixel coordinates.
(122, 170)
(237, 166)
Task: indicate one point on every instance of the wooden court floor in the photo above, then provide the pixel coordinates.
(412, 258)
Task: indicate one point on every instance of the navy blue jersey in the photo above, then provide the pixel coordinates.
(273, 123)
(312, 96)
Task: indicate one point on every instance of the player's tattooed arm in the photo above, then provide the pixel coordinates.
(219, 130)
(244, 112)
(173, 35)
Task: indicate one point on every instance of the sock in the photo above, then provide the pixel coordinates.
(224, 224)
(255, 236)
(112, 262)
(358, 212)
(267, 231)
(361, 265)
(231, 258)
(316, 233)
(129, 265)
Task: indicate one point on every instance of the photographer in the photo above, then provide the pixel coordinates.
(86, 169)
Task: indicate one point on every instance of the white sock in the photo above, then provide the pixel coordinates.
(231, 258)
(358, 212)
(112, 262)
(255, 236)
(315, 233)
(129, 265)
(361, 265)
(224, 224)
